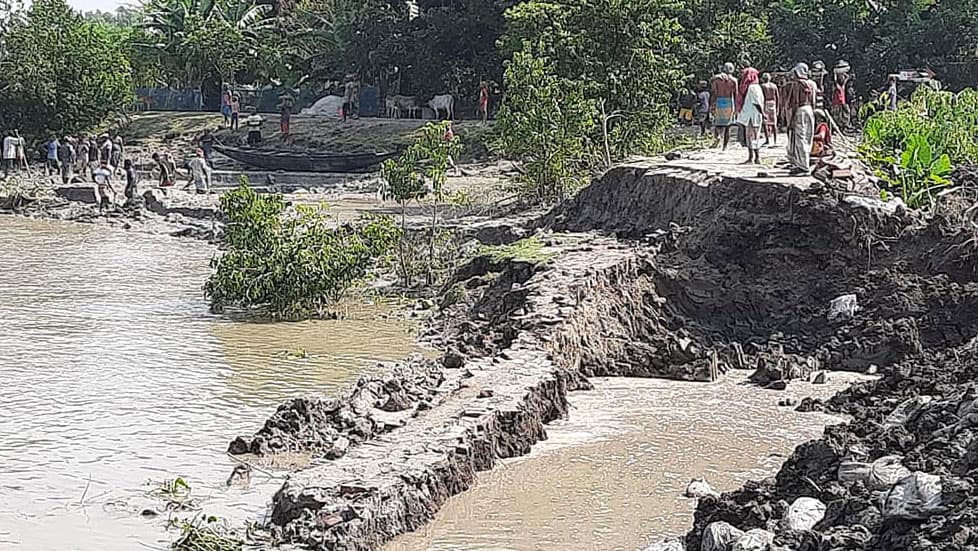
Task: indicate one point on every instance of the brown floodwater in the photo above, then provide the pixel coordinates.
(113, 373)
(612, 475)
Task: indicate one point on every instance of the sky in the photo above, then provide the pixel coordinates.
(100, 5)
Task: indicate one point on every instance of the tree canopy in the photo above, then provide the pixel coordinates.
(60, 72)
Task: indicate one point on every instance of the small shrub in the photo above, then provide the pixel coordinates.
(544, 126)
(291, 262)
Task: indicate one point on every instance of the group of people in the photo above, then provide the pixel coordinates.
(96, 159)
(757, 107)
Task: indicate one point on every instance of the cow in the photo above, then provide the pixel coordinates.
(398, 104)
(444, 102)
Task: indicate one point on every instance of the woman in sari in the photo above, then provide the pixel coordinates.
(750, 113)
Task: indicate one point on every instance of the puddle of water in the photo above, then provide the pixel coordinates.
(612, 475)
(114, 373)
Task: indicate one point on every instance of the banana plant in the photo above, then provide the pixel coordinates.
(920, 172)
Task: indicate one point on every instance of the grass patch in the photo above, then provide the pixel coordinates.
(530, 250)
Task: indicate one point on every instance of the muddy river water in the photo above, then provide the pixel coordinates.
(113, 373)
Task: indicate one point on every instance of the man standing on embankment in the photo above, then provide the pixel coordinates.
(799, 104)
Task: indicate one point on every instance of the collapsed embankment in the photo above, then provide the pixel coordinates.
(714, 273)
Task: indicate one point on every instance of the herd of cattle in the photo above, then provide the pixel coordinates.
(398, 106)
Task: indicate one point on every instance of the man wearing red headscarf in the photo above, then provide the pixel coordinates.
(750, 112)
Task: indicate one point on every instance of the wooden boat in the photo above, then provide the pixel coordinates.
(295, 161)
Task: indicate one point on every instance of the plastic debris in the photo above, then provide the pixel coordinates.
(915, 497)
(804, 513)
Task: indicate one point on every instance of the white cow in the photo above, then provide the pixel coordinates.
(444, 102)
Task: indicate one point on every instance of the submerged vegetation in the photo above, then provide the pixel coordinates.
(206, 533)
(291, 261)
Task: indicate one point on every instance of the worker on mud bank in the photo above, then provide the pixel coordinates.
(484, 101)
(52, 165)
(166, 174)
(235, 111)
(117, 151)
(687, 107)
(799, 103)
(349, 91)
(723, 90)
(105, 150)
(226, 105)
(750, 113)
(839, 104)
(130, 192)
(81, 158)
(93, 155)
(891, 94)
(104, 192)
(772, 99)
(285, 115)
(66, 156)
(253, 122)
(9, 153)
(206, 143)
(703, 107)
(200, 172)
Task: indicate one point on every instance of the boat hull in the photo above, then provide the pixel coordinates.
(290, 161)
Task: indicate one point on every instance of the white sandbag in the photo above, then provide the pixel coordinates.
(843, 307)
(915, 497)
(754, 540)
(699, 487)
(719, 536)
(905, 410)
(331, 106)
(804, 513)
(667, 545)
(881, 474)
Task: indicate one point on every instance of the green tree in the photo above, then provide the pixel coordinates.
(59, 73)
(421, 171)
(624, 53)
(876, 38)
(544, 125)
(291, 262)
(205, 42)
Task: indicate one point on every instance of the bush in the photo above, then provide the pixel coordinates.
(544, 126)
(291, 262)
(915, 148)
(420, 173)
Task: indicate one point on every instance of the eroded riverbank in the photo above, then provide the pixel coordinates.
(717, 272)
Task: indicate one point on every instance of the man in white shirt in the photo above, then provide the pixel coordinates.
(200, 172)
(103, 185)
(9, 153)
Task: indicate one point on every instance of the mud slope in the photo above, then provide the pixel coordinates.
(700, 274)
